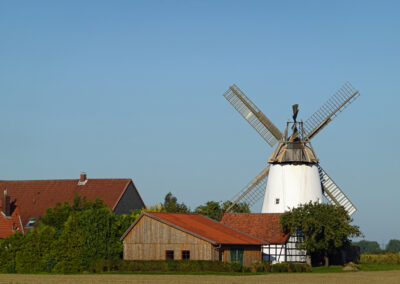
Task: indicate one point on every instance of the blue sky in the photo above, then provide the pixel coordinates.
(134, 89)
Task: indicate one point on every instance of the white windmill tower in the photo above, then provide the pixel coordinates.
(293, 176)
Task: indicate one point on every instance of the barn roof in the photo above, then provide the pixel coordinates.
(201, 227)
(264, 226)
(10, 224)
(33, 197)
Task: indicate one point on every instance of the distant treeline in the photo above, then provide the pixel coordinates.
(373, 247)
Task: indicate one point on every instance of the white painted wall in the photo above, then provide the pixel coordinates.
(292, 185)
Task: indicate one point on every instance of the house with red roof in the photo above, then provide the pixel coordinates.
(27, 200)
(10, 220)
(280, 247)
(188, 236)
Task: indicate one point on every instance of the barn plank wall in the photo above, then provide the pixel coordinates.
(250, 254)
(149, 240)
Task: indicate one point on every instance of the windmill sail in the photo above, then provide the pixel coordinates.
(330, 110)
(333, 193)
(253, 191)
(253, 115)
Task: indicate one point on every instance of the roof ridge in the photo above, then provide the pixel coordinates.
(30, 180)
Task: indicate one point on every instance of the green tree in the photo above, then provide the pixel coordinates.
(211, 209)
(214, 209)
(367, 246)
(58, 215)
(68, 248)
(325, 227)
(241, 207)
(34, 255)
(99, 231)
(393, 245)
(171, 204)
(9, 247)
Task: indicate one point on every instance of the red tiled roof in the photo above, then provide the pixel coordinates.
(33, 197)
(10, 224)
(203, 227)
(264, 226)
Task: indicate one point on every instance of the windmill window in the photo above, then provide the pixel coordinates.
(277, 201)
(169, 255)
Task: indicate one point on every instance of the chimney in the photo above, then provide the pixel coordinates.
(82, 179)
(6, 203)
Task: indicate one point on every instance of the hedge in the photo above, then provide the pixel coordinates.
(192, 266)
(102, 265)
(387, 258)
(263, 266)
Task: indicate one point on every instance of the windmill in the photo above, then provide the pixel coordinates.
(294, 175)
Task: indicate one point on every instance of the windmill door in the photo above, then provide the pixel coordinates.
(237, 255)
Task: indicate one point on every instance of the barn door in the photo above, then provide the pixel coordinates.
(237, 255)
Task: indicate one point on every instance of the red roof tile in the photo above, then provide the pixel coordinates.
(264, 226)
(10, 224)
(33, 197)
(203, 227)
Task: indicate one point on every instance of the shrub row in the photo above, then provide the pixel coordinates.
(387, 258)
(102, 265)
(263, 266)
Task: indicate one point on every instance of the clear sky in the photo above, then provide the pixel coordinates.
(133, 89)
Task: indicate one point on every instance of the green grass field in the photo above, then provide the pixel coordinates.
(392, 276)
(369, 273)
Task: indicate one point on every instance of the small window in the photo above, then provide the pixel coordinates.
(277, 201)
(185, 254)
(31, 223)
(169, 255)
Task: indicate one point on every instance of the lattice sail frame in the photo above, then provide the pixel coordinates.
(267, 130)
(253, 191)
(334, 194)
(330, 110)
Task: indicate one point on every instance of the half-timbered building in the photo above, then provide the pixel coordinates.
(280, 247)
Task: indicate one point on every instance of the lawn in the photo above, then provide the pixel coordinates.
(369, 273)
(392, 276)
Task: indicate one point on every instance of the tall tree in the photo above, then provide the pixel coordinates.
(58, 215)
(393, 245)
(367, 246)
(68, 247)
(325, 227)
(35, 252)
(211, 209)
(171, 204)
(241, 207)
(214, 209)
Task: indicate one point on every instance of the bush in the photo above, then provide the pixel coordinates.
(262, 266)
(102, 265)
(387, 258)
(279, 267)
(290, 267)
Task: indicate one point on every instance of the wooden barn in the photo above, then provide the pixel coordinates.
(182, 236)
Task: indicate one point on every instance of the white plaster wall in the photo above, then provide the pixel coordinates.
(292, 185)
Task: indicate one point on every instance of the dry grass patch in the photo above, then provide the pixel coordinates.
(342, 278)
